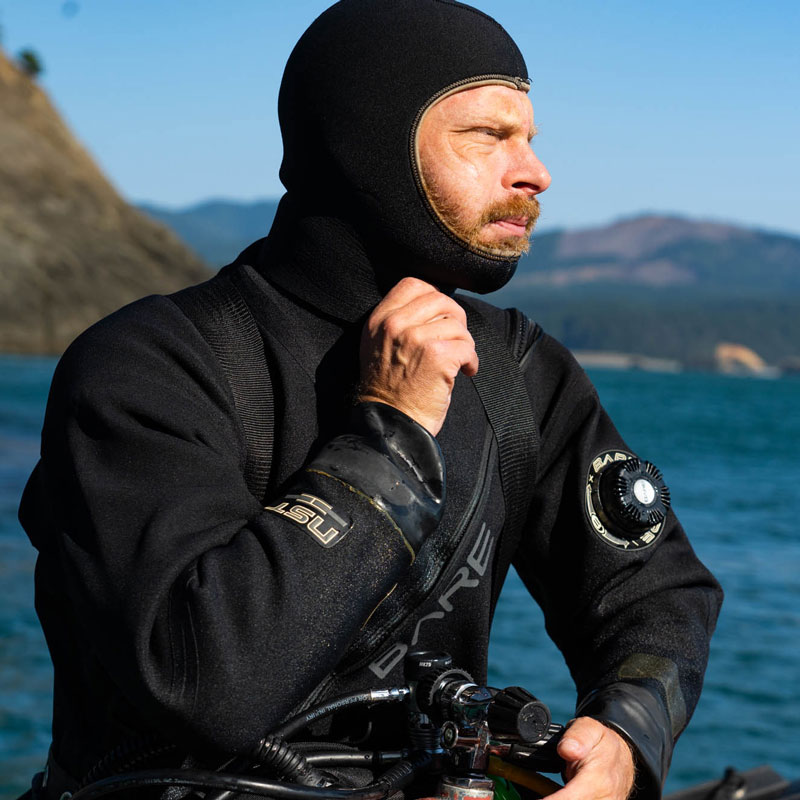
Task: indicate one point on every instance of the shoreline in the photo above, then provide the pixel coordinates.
(607, 359)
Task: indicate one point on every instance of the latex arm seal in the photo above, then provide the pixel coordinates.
(395, 462)
(639, 715)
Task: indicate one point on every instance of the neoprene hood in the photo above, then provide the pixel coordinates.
(353, 92)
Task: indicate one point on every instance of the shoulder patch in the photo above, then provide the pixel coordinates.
(316, 517)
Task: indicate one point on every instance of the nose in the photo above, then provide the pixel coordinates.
(526, 173)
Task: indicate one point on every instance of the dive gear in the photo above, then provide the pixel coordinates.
(221, 314)
(373, 456)
(516, 714)
(636, 714)
(626, 499)
(505, 399)
(460, 749)
(631, 497)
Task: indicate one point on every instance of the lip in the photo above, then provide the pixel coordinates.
(515, 226)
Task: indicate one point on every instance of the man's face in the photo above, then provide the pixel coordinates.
(478, 168)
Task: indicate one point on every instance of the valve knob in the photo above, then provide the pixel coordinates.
(432, 683)
(516, 713)
(420, 663)
(631, 497)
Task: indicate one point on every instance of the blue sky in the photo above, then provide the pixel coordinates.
(677, 106)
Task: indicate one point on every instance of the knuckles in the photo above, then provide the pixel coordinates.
(413, 346)
(394, 329)
(409, 284)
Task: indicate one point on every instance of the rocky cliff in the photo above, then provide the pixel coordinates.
(71, 249)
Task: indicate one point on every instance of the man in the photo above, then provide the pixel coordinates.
(176, 602)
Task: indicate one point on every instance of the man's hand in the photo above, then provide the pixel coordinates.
(414, 344)
(599, 763)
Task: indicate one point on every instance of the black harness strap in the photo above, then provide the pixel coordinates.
(219, 311)
(505, 399)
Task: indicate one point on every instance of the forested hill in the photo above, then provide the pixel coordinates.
(653, 285)
(665, 287)
(660, 252)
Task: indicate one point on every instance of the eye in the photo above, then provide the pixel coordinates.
(491, 132)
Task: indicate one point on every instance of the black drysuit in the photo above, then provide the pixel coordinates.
(174, 601)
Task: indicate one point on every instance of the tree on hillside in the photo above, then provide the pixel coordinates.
(30, 63)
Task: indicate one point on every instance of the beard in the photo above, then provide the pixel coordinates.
(508, 245)
(474, 233)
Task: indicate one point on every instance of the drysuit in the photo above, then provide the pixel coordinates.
(174, 601)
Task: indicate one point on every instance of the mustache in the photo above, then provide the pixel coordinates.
(515, 207)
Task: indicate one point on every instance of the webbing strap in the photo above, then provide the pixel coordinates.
(219, 311)
(505, 399)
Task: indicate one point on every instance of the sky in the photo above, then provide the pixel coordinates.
(689, 107)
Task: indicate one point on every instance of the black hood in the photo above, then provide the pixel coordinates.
(353, 92)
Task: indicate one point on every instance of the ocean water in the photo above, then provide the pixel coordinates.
(25, 670)
(728, 448)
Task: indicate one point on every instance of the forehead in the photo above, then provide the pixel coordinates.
(482, 105)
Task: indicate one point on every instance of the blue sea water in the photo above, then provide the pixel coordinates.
(728, 447)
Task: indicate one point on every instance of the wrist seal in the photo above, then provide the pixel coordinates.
(640, 717)
(393, 460)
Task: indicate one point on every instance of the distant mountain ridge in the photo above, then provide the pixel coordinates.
(664, 251)
(664, 287)
(217, 229)
(660, 286)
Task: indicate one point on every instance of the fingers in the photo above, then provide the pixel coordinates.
(413, 301)
(442, 340)
(414, 344)
(599, 763)
(405, 290)
(580, 739)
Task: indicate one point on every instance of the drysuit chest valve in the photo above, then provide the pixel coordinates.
(632, 497)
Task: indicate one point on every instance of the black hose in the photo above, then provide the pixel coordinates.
(127, 756)
(396, 777)
(352, 758)
(298, 722)
(286, 762)
(295, 724)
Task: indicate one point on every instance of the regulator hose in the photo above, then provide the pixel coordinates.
(396, 777)
(298, 722)
(353, 758)
(128, 756)
(285, 761)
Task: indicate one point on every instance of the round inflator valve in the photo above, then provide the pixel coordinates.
(515, 713)
(631, 497)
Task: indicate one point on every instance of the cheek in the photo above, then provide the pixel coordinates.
(462, 176)
(469, 171)
(469, 161)
(462, 185)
